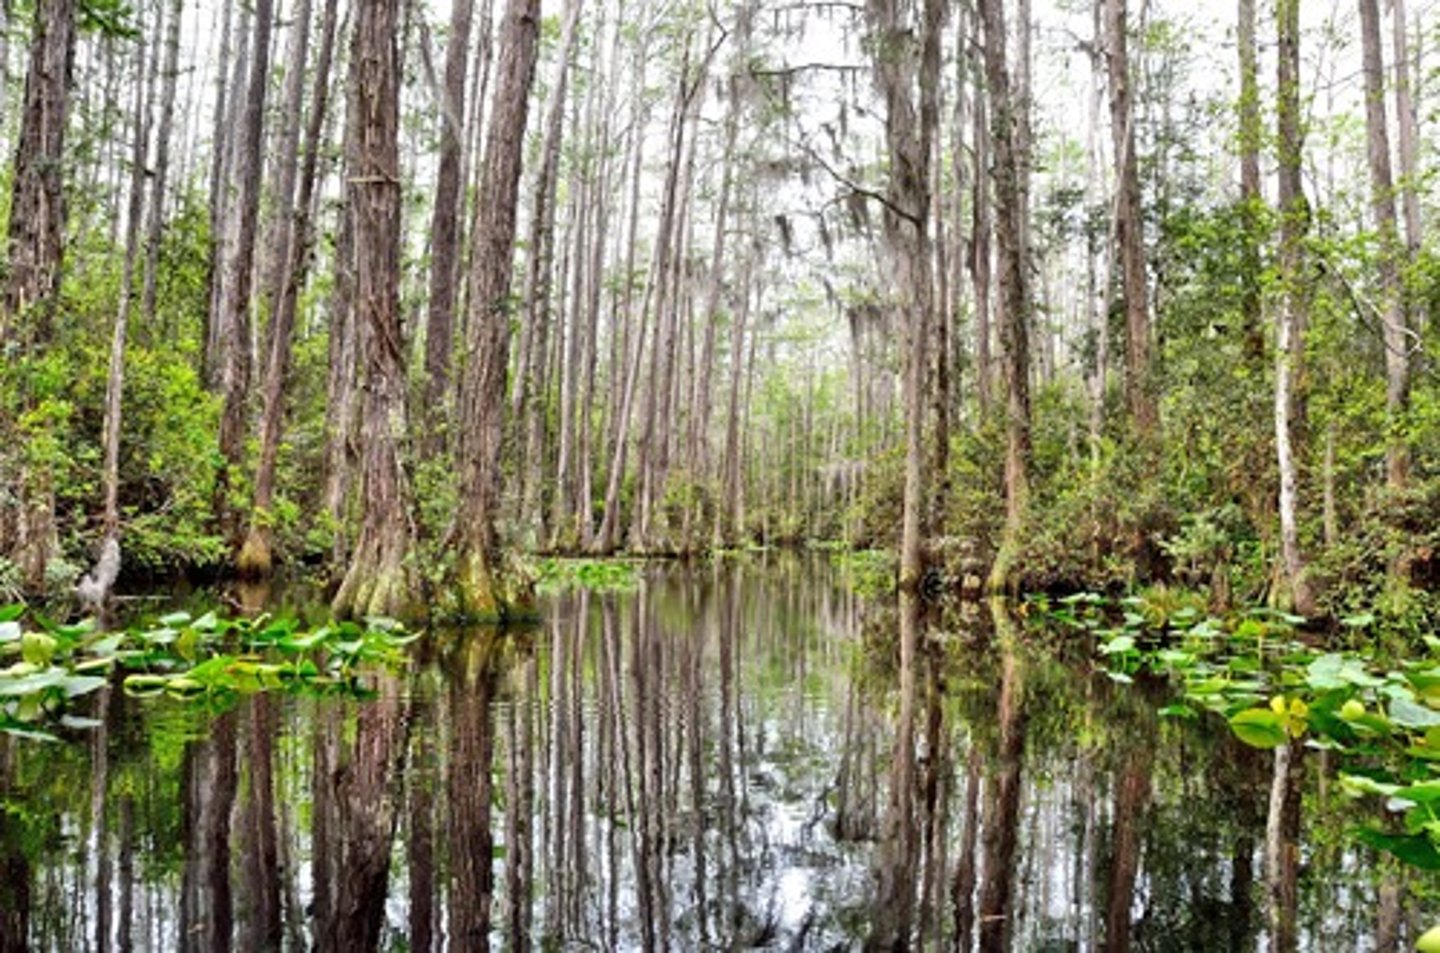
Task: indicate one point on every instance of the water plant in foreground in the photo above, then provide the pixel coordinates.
(47, 666)
(1379, 717)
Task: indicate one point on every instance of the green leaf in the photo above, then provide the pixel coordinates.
(77, 685)
(1121, 643)
(174, 619)
(1408, 714)
(11, 612)
(1358, 621)
(29, 734)
(1260, 727)
(1360, 785)
(1414, 849)
(29, 684)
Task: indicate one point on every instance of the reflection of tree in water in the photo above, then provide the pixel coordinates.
(729, 756)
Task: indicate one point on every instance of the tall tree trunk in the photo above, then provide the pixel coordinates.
(1290, 347)
(480, 588)
(234, 319)
(228, 77)
(155, 234)
(527, 408)
(981, 229)
(901, 64)
(445, 220)
(1407, 127)
(1139, 393)
(1251, 134)
(255, 556)
(1014, 290)
(1394, 332)
(380, 580)
(97, 584)
(33, 259)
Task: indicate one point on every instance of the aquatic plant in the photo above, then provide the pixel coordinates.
(48, 665)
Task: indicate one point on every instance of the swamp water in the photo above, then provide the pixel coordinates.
(734, 756)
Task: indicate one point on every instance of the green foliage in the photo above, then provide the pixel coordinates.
(1380, 718)
(49, 664)
(870, 572)
(600, 575)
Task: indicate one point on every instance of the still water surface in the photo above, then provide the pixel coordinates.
(727, 757)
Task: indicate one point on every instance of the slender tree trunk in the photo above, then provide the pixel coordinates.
(1251, 134)
(480, 588)
(115, 381)
(221, 152)
(156, 228)
(255, 556)
(445, 220)
(1290, 347)
(981, 230)
(900, 65)
(1014, 290)
(1394, 330)
(1144, 410)
(234, 319)
(380, 580)
(527, 407)
(1407, 127)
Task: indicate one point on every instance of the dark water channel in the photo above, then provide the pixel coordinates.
(727, 757)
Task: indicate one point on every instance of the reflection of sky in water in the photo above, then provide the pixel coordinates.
(814, 709)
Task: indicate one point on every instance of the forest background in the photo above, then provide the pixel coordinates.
(1084, 295)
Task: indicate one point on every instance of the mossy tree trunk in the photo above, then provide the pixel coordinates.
(481, 589)
(381, 579)
(33, 258)
(1014, 294)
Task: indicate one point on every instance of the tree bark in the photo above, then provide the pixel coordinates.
(1144, 410)
(902, 64)
(155, 234)
(1014, 290)
(1290, 347)
(255, 555)
(1407, 127)
(234, 323)
(1251, 199)
(115, 381)
(34, 243)
(380, 580)
(527, 407)
(480, 589)
(1394, 330)
(445, 220)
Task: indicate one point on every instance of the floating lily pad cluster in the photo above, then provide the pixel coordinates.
(1381, 718)
(602, 575)
(44, 666)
